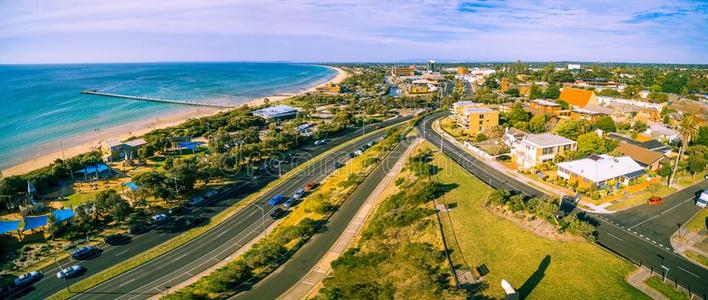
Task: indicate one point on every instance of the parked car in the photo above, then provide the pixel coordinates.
(337, 165)
(210, 193)
(309, 186)
(277, 213)
(277, 199)
(115, 239)
(320, 142)
(138, 228)
(289, 203)
(298, 193)
(83, 252)
(655, 201)
(179, 209)
(28, 278)
(358, 152)
(69, 272)
(159, 218)
(702, 200)
(351, 155)
(190, 221)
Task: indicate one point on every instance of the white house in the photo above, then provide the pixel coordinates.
(597, 170)
(535, 149)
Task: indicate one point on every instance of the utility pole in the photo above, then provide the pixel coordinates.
(62, 268)
(262, 217)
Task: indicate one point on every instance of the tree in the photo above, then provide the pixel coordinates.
(154, 184)
(563, 104)
(518, 114)
(537, 123)
(570, 129)
(536, 92)
(606, 123)
(640, 126)
(688, 129)
(702, 137)
(591, 143)
(696, 164)
(658, 97)
(552, 92)
(514, 92)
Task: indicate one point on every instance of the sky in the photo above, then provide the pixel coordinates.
(81, 31)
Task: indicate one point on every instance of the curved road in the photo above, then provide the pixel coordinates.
(200, 253)
(628, 243)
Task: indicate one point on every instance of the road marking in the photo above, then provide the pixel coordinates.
(180, 257)
(129, 281)
(689, 272)
(121, 252)
(653, 241)
(614, 236)
(662, 213)
(308, 283)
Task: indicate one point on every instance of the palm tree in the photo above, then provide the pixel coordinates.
(688, 128)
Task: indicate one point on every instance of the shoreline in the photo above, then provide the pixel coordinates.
(92, 140)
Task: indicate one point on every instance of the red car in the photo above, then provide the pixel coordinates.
(655, 201)
(311, 185)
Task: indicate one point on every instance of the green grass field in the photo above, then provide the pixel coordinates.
(539, 268)
(640, 198)
(667, 289)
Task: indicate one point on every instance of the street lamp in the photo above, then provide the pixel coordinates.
(665, 268)
(62, 268)
(262, 216)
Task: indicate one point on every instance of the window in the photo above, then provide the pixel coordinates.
(566, 147)
(548, 150)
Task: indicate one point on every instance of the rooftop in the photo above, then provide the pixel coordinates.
(598, 168)
(546, 102)
(477, 110)
(275, 111)
(577, 97)
(547, 140)
(641, 155)
(136, 142)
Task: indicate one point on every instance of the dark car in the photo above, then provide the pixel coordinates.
(179, 209)
(190, 221)
(83, 252)
(138, 229)
(115, 239)
(277, 213)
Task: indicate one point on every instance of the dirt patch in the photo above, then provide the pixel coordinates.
(533, 224)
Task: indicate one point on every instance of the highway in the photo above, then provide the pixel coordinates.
(305, 258)
(207, 249)
(631, 245)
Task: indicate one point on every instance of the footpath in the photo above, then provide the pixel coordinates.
(310, 283)
(637, 278)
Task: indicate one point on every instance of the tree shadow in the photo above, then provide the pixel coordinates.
(531, 283)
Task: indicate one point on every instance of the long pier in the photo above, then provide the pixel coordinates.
(141, 98)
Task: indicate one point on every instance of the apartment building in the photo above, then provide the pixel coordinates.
(536, 149)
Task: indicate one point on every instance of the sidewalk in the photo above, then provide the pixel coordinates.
(600, 209)
(688, 242)
(311, 281)
(637, 278)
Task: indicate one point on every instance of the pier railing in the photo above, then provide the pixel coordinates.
(152, 99)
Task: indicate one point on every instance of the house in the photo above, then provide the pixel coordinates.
(590, 113)
(661, 132)
(117, 151)
(513, 136)
(546, 107)
(276, 112)
(644, 157)
(598, 171)
(131, 148)
(477, 120)
(578, 97)
(537, 149)
(403, 72)
(653, 145)
(459, 107)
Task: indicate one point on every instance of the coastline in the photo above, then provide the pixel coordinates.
(92, 140)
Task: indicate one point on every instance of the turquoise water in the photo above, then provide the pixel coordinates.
(41, 104)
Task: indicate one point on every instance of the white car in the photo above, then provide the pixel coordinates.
(298, 194)
(702, 200)
(69, 272)
(159, 218)
(28, 278)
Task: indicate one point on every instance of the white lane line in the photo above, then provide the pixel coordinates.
(689, 272)
(614, 236)
(129, 281)
(308, 283)
(662, 213)
(180, 257)
(119, 253)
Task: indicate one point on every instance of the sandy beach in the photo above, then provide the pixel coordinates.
(92, 140)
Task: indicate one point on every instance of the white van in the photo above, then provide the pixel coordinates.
(703, 199)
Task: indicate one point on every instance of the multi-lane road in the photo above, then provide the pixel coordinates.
(621, 237)
(208, 249)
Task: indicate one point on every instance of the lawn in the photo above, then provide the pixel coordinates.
(698, 222)
(666, 289)
(539, 268)
(697, 257)
(640, 198)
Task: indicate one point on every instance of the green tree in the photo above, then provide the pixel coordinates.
(514, 92)
(553, 92)
(606, 123)
(696, 164)
(688, 129)
(536, 92)
(537, 123)
(658, 97)
(518, 114)
(702, 137)
(563, 104)
(591, 143)
(640, 126)
(570, 129)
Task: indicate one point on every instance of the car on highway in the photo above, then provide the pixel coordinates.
(138, 228)
(190, 221)
(320, 142)
(655, 201)
(179, 209)
(277, 213)
(28, 278)
(309, 186)
(337, 165)
(277, 199)
(83, 252)
(115, 239)
(358, 152)
(298, 193)
(196, 200)
(210, 193)
(70, 272)
(159, 218)
(702, 200)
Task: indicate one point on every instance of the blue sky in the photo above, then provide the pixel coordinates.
(43, 31)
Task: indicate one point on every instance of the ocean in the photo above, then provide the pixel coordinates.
(41, 106)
